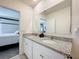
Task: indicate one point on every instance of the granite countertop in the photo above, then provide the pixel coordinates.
(62, 47)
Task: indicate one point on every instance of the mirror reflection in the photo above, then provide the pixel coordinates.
(58, 18)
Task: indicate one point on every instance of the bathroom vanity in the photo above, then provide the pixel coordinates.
(45, 48)
(57, 22)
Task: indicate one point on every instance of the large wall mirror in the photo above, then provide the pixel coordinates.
(58, 18)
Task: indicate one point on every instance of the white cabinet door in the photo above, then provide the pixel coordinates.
(50, 54)
(36, 51)
(28, 48)
(41, 52)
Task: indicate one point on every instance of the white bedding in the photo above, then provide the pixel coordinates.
(10, 34)
(6, 39)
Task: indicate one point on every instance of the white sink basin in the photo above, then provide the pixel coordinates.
(49, 41)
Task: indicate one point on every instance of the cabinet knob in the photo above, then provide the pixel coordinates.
(69, 57)
(41, 56)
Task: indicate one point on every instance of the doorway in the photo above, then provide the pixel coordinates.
(9, 32)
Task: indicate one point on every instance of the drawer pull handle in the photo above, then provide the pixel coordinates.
(69, 57)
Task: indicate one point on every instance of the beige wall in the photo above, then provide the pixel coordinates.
(26, 16)
(75, 24)
(36, 22)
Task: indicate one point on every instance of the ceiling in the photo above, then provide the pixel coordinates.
(31, 3)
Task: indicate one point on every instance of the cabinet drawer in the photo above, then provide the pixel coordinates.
(46, 53)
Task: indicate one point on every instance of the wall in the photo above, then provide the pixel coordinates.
(59, 21)
(75, 24)
(25, 19)
(36, 22)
